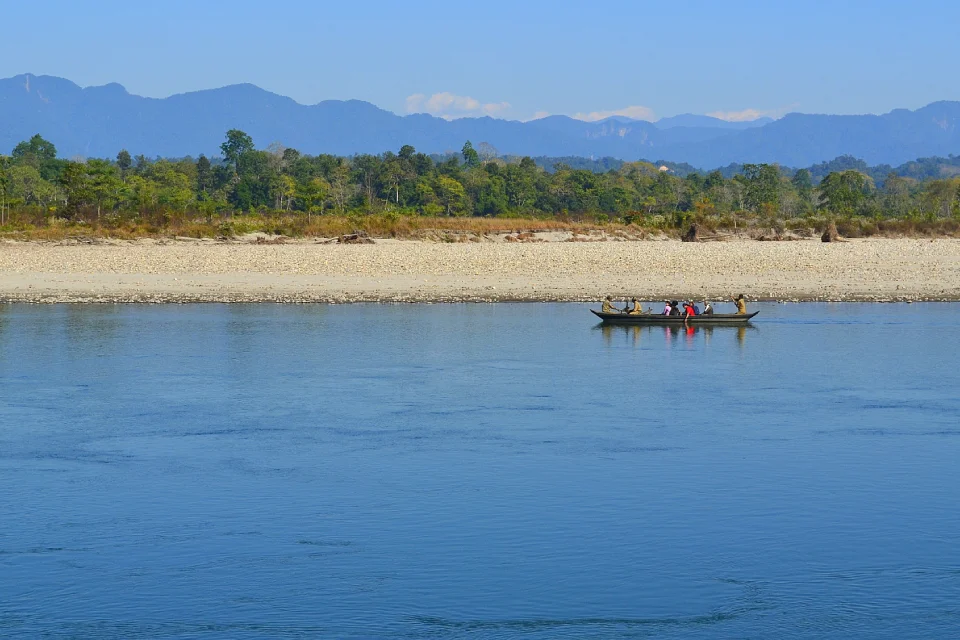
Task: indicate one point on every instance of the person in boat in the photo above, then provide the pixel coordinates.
(707, 309)
(741, 305)
(667, 308)
(675, 309)
(608, 306)
(636, 310)
(689, 309)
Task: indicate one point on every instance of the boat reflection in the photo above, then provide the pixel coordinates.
(673, 334)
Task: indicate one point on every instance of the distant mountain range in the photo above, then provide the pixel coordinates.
(99, 121)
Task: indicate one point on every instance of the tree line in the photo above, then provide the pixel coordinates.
(475, 182)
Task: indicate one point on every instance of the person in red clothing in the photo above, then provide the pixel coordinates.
(689, 309)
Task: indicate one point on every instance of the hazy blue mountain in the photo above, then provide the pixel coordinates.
(99, 121)
(693, 120)
(800, 140)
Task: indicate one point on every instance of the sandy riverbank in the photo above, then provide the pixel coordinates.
(416, 271)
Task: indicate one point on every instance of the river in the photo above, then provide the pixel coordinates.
(477, 471)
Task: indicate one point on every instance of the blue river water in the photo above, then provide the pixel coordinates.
(477, 471)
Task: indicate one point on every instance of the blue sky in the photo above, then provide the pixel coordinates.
(508, 59)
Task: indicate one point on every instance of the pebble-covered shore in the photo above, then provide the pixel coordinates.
(417, 271)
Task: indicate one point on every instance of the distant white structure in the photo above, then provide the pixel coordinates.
(664, 168)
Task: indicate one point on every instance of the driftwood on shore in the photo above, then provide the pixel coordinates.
(696, 233)
(358, 237)
(692, 234)
(830, 234)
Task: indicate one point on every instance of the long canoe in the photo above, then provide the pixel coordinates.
(650, 318)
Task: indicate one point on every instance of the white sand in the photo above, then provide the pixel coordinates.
(411, 271)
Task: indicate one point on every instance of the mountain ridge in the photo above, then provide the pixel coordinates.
(98, 121)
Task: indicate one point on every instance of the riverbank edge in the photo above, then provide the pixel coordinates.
(417, 298)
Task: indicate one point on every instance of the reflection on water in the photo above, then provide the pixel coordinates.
(481, 471)
(687, 335)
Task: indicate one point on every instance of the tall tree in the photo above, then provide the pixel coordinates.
(450, 192)
(470, 156)
(104, 184)
(521, 185)
(393, 175)
(37, 148)
(367, 170)
(313, 195)
(284, 189)
(26, 185)
(340, 186)
(762, 182)
(487, 151)
(39, 154)
(236, 144)
(802, 183)
(4, 187)
(76, 183)
(141, 164)
(842, 192)
(940, 196)
(124, 162)
(204, 177)
(896, 199)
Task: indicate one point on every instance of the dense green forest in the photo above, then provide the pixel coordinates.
(38, 188)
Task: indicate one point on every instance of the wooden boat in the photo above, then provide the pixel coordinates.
(650, 318)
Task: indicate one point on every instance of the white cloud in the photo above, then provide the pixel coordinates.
(414, 102)
(495, 108)
(746, 115)
(636, 112)
(448, 105)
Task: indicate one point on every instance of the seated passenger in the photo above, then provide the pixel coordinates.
(688, 309)
(608, 306)
(741, 305)
(667, 309)
(636, 310)
(707, 309)
(675, 309)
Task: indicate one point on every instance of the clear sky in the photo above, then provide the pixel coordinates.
(511, 59)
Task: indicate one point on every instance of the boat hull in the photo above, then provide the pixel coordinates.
(645, 318)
